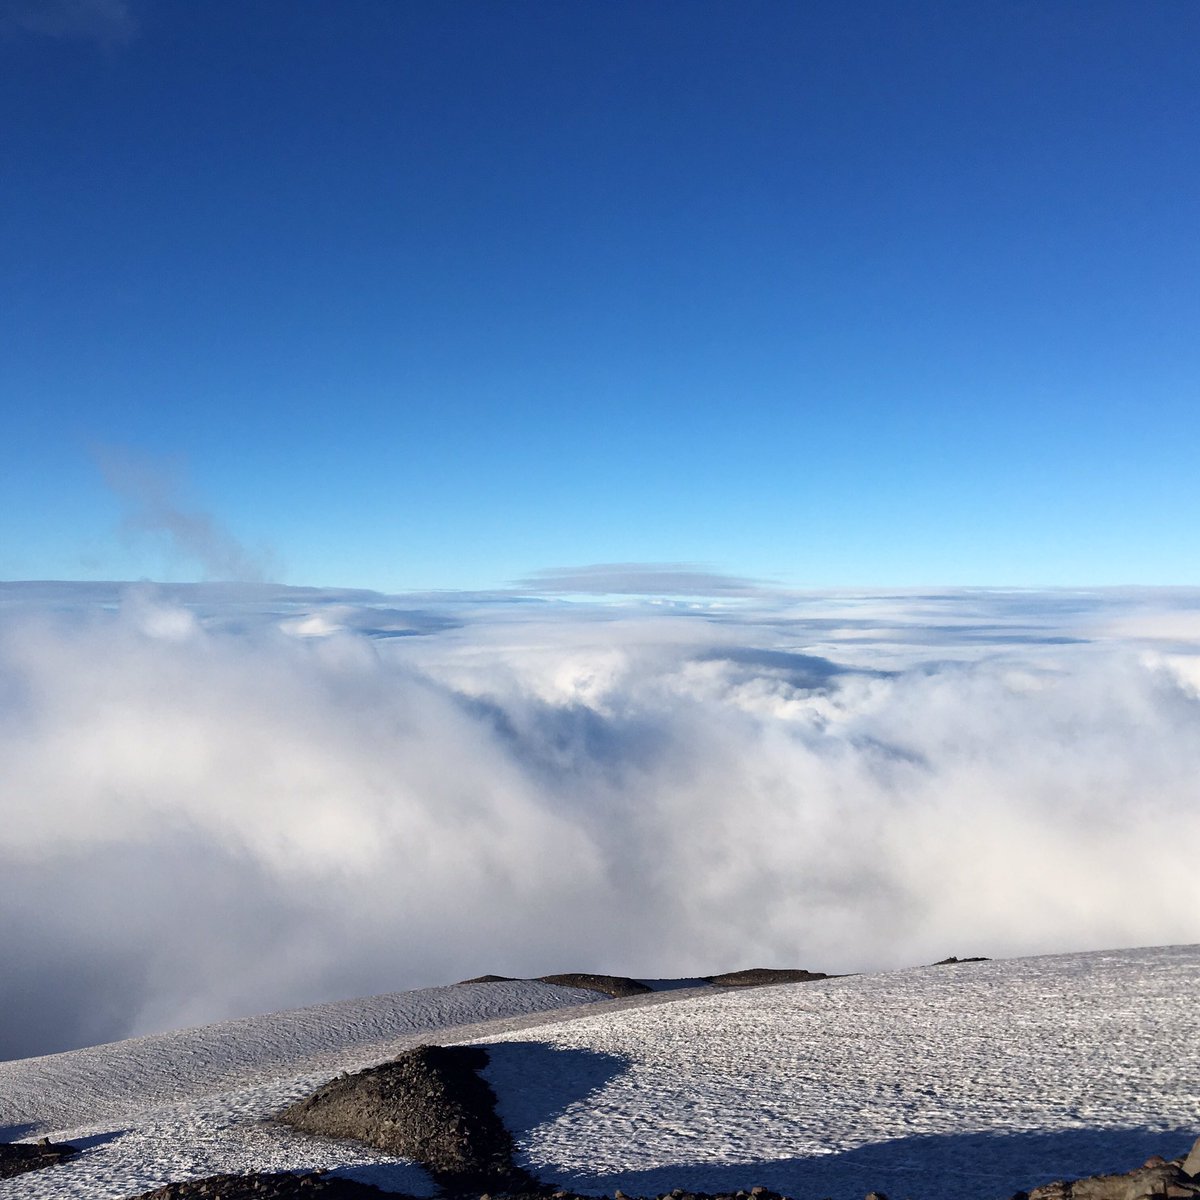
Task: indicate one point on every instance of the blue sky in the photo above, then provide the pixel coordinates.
(403, 295)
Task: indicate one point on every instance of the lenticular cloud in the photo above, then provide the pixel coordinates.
(216, 804)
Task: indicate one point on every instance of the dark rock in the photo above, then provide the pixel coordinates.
(18, 1157)
(759, 976)
(487, 979)
(1162, 1179)
(429, 1104)
(312, 1186)
(951, 961)
(610, 985)
(1191, 1164)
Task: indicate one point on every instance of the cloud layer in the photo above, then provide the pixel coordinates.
(218, 803)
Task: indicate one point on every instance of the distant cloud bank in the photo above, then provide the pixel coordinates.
(222, 799)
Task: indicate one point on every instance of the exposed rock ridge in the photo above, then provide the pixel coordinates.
(611, 985)
(762, 976)
(622, 985)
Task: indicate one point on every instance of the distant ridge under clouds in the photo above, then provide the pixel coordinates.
(642, 579)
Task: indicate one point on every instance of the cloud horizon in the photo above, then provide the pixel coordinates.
(220, 802)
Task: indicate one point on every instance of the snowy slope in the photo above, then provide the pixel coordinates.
(187, 1104)
(945, 1083)
(948, 1083)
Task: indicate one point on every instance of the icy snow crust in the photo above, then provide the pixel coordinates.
(944, 1083)
(188, 1104)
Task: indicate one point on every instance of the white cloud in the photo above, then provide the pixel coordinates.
(204, 815)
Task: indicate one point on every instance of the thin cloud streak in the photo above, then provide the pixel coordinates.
(148, 490)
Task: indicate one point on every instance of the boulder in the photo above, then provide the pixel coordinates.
(1191, 1164)
(1154, 1180)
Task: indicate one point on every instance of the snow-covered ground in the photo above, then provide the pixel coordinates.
(188, 1104)
(940, 1083)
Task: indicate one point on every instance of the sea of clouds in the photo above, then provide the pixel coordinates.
(225, 800)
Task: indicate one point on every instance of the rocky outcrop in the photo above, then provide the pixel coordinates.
(760, 976)
(18, 1157)
(1178, 1179)
(610, 985)
(620, 986)
(429, 1105)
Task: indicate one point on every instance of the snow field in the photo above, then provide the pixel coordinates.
(945, 1083)
(188, 1104)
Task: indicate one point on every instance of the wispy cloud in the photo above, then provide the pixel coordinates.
(149, 492)
(641, 579)
(107, 22)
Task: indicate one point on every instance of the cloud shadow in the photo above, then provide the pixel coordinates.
(535, 1083)
(968, 1166)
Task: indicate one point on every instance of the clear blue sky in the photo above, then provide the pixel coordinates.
(439, 294)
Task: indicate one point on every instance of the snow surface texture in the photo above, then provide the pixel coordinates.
(189, 1104)
(944, 1083)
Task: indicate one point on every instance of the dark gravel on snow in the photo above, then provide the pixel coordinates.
(267, 1187)
(326, 1187)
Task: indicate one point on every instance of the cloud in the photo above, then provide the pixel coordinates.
(148, 491)
(643, 579)
(107, 22)
(206, 816)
